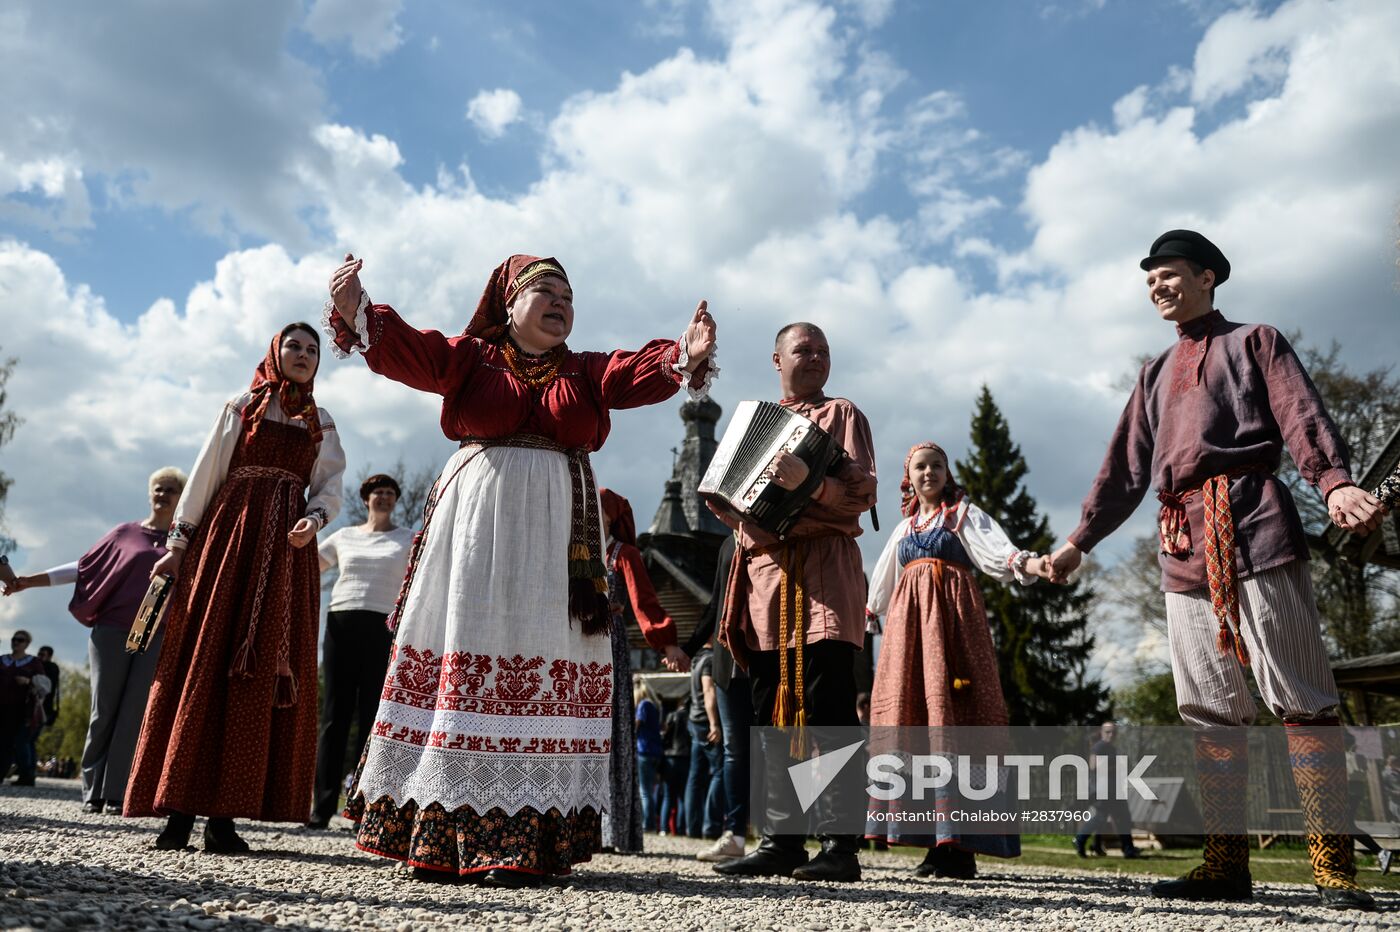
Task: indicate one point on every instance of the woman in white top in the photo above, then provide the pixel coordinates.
(937, 664)
(372, 558)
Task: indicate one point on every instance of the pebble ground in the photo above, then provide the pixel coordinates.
(63, 869)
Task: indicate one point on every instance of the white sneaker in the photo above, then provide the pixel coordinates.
(726, 848)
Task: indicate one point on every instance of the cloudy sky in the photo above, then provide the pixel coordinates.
(958, 193)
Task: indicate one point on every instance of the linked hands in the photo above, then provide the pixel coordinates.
(675, 659)
(1062, 563)
(1354, 509)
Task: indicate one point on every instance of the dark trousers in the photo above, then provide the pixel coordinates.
(355, 657)
(736, 717)
(830, 700)
(704, 788)
(674, 773)
(1104, 811)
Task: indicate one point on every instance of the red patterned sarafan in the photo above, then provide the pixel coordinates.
(462, 669)
(517, 678)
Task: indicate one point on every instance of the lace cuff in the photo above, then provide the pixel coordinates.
(345, 341)
(688, 379)
(181, 532)
(1017, 564)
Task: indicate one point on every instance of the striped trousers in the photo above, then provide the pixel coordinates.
(1283, 632)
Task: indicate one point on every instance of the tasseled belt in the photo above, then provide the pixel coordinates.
(1174, 532)
(286, 502)
(790, 706)
(588, 577)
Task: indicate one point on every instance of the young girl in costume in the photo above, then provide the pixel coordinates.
(937, 664)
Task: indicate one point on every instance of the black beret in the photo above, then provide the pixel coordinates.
(1188, 244)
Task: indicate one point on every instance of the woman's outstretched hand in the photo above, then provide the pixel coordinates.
(303, 533)
(700, 336)
(346, 290)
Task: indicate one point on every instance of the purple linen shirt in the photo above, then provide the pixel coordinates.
(113, 576)
(1226, 397)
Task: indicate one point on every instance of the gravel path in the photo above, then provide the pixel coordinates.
(62, 869)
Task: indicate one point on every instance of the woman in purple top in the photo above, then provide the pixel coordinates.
(109, 582)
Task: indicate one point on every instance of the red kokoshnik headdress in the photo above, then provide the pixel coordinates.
(489, 321)
(296, 400)
(908, 499)
(617, 515)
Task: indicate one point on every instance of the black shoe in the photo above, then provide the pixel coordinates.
(321, 824)
(93, 807)
(176, 834)
(955, 864)
(830, 866)
(220, 838)
(928, 865)
(428, 875)
(506, 879)
(767, 860)
(1230, 889)
(1346, 898)
(1132, 853)
(113, 807)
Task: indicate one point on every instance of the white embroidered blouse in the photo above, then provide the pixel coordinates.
(211, 469)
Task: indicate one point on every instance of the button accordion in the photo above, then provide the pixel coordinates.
(737, 479)
(150, 614)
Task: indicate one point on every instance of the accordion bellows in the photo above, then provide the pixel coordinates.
(737, 479)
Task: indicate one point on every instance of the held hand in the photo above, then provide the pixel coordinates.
(21, 681)
(675, 659)
(1040, 567)
(169, 565)
(303, 533)
(7, 576)
(1064, 561)
(787, 471)
(345, 288)
(1353, 509)
(700, 336)
(21, 583)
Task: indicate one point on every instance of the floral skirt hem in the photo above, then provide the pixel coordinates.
(465, 842)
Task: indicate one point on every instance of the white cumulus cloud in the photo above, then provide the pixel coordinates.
(493, 112)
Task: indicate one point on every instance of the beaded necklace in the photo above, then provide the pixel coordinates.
(534, 371)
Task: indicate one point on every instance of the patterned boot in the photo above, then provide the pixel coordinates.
(1222, 768)
(1318, 759)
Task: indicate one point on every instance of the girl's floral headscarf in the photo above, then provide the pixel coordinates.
(909, 499)
(490, 320)
(268, 382)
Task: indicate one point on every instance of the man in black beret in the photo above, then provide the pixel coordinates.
(1207, 424)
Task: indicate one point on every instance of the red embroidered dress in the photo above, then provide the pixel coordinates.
(230, 727)
(491, 745)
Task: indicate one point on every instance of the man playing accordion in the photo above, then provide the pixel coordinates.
(795, 615)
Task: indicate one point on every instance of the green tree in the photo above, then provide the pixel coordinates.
(64, 738)
(1041, 631)
(1149, 700)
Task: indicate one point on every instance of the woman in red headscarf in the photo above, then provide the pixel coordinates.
(230, 727)
(937, 664)
(630, 594)
(489, 755)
